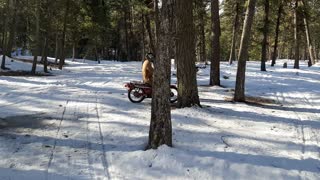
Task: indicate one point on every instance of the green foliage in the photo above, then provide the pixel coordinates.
(117, 29)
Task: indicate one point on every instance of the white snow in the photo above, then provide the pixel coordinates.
(79, 124)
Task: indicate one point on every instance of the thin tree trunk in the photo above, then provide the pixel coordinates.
(47, 33)
(12, 28)
(308, 35)
(265, 36)
(185, 55)
(296, 36)
(126, 34)
(74, 50)
(150, 35)
(233, 54)
(160, 126)
(4, 17)
(56, 52)
(315, 51)
(239, 95)
(4, 44)
(143, 48)
(276, 39)
(62, 53)
(215, 63)
(37, 35)
(44, 57)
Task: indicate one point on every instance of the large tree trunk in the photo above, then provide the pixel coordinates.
(265, 36)
(296, 36)
(160, 126)
(202, 32)
(308, 35)
(185, 55)
(243, 54)
(233, 53)
(276, 39)
(37, 45)
(215, 62)
(63, 40)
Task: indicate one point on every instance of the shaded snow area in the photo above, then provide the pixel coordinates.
(79, 124)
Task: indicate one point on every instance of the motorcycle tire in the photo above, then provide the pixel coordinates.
(132, 95)
(173, 94)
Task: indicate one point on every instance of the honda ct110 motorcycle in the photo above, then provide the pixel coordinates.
(138, 91)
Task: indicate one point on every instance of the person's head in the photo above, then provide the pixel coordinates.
(150, 57)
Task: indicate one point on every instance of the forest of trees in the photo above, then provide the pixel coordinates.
(188, 31)
(125, 30)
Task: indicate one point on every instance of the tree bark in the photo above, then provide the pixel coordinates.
(74, 49)
(185, 55)
(12, 28)
(56, 52)
(308, 35)
(4, 43)
(160, 126)
(296, 36)
(37, 45)
(62, 53)
(233, 54)
(201, 29)
(143, 47)
(126, 29)
(44, 57)
(239, 95)
(150, 35)
(215, 62)
(276, 39)
(265, 36)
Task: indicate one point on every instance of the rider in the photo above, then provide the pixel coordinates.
(147, 69)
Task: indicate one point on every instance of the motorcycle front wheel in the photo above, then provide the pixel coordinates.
(136, 95)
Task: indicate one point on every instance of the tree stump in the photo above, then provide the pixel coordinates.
(285, 65)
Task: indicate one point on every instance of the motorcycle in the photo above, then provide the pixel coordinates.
(138, 91)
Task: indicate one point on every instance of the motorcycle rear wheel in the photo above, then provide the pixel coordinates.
(136, 95)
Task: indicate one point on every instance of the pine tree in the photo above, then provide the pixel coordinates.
(275, 48)
(185, 55)
(160, 127)
(243, 54)
(216, 32)
(265, 36)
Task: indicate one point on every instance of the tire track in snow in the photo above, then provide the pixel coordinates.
(104, 158)
(303, 132)
(89, 146)
(55, 140)
(317, 117)
(73, 147)
(96, 157)
(299, 127)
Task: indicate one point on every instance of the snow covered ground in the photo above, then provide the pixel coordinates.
(80, 124)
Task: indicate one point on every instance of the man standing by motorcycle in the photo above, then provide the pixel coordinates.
(147, 69)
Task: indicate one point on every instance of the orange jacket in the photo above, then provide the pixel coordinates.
(147, 72)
